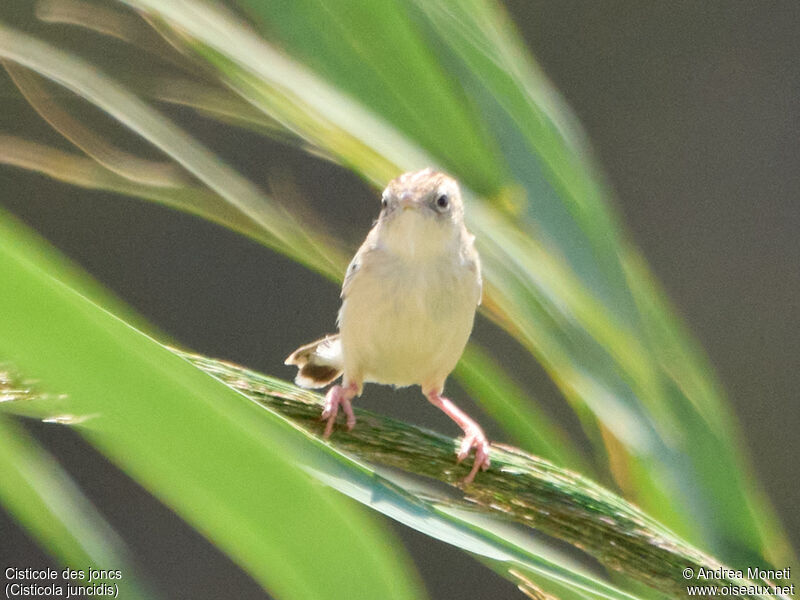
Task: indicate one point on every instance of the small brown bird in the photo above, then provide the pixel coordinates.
(408, 304)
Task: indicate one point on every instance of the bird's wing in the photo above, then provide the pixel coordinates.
(473, 262)
(357, 264)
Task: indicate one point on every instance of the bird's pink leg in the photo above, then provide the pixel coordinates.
(473, 434)
(339, 396)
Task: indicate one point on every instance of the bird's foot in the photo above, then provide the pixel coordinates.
(473, 435)
(338, 396)
(474, 438)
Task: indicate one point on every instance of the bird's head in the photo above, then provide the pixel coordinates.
(421, 212)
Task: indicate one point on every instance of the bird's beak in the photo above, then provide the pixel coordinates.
(407, 201)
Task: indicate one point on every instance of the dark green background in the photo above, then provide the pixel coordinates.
(694, 113)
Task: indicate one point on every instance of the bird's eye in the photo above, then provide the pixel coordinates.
(442, 201)
(384, 202)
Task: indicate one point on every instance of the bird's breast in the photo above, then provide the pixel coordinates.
(405, 322)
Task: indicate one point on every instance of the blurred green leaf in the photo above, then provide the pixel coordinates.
(42, 497)
(398, 75)
(208, 453)
(125, 164)
(280, 229)
(87, 173)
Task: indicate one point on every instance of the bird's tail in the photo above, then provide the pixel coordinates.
(318, 363)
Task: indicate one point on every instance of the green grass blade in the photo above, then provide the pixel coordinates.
(431, 111)
(129, 166)
(87, 173)
(198, 93)
(283, 232)
(695, 391)
(46, 502)
(209, 454)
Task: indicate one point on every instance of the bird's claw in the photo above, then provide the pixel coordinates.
(333, 399)
(474, 438)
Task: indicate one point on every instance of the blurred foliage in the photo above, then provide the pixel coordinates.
(45, 500)
(386, 86)
(195, 443)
